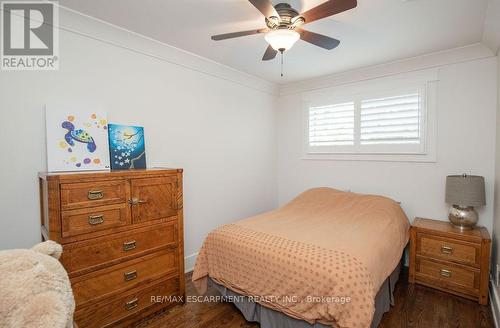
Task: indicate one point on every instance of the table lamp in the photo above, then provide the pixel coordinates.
(464, 192)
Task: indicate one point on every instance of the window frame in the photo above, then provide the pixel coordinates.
(426, 85)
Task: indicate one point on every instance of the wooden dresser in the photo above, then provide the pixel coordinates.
(122, 237)
(451, 260)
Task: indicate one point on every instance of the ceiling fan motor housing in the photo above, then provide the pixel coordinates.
(289, 17)
(284, 25)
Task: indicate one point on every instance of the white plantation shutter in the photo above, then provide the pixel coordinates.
(332, 125)
(391, 120)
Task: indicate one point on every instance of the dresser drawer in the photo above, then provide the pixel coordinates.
(449, 249)
(448, 275)
(107, 313)
(88, 194)
(120, 277)
(89, 255)
(88, 220)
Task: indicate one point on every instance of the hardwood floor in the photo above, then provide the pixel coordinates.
(423, 307)
(416, 307)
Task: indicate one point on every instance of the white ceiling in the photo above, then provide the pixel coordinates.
(375, 32)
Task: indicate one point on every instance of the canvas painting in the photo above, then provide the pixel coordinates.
(76, 140)
(126, 147)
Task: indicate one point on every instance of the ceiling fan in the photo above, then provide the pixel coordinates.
(284, 25)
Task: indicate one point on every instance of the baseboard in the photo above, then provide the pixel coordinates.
(189, 262)
(494, 303)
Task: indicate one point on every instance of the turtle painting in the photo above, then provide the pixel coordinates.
(78, 135)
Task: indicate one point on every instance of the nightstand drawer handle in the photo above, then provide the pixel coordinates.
(129, 245)
(446, 250)
(127, 276)
(132, 304)
(445, 273)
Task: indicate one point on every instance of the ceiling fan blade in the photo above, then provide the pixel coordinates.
(270, 53)
(319, 40)
(237, 34)
(265, 7)
(327, 9)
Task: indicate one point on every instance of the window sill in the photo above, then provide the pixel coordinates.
(424, 158)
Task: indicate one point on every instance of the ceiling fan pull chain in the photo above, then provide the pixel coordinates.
(282, 63)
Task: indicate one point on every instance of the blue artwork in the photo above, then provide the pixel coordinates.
(126, 147)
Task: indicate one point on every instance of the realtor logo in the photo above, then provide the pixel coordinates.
(29, 39)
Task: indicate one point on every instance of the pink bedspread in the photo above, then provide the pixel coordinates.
(320, 258)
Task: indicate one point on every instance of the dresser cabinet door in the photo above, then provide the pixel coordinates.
(153, 198)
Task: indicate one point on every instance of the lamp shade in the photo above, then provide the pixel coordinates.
(465, 190)
(282, 39)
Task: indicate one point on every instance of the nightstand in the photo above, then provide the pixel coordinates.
(451, 260)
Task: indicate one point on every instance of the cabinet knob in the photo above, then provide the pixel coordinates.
(136, 201)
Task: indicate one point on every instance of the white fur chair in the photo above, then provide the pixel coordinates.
(35, 290)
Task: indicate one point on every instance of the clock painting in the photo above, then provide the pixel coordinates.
(126, 147)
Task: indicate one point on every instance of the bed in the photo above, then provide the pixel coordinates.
(328, 258)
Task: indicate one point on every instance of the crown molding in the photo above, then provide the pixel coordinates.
(90, 27)
(432, 60)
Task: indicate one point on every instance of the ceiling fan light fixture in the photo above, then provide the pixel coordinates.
(282, 39)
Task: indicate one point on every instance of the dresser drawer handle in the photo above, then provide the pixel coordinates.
(446, 250)
(95, 194)
(96, 219)
(129, 245)
(127, 276)
(445, 273)
(132, 304)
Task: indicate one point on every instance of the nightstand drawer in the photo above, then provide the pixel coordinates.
(449, 259)
(448, 275)
(448, 249)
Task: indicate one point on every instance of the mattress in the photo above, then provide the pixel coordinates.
(321, 258)
(267, 318)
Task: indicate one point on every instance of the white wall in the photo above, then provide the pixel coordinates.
(491, 30)
(495, 257)
(466, 113)
(212, 121)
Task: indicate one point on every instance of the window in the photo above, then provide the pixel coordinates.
(389, 121)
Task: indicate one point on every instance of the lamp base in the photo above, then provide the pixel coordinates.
(463, 217)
